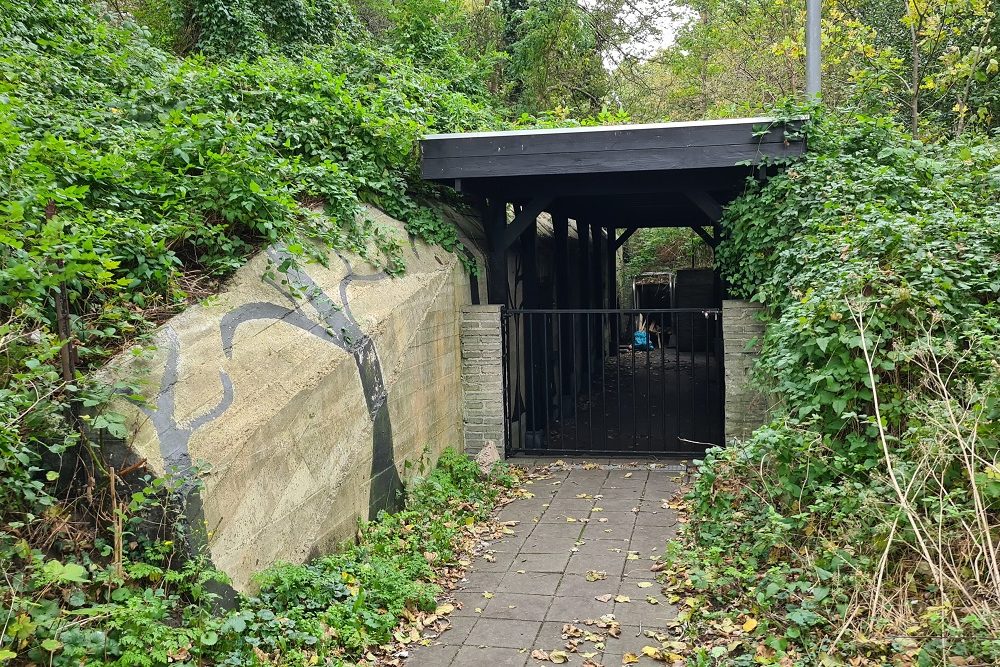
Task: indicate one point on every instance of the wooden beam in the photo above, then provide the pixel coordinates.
(494, 219)
(620, 241)
(705, 236)
(525, 217)
(707, 204)
(604, 161)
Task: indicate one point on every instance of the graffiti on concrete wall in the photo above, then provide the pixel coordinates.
(336, 325)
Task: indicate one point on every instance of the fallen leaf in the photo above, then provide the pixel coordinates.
(749, 625)
(604, 598)
(645, 584)
(488, 595)
(627, 475)
(558, 657)
(652, 600)
(630, 659)
(622, 598)
(652, 652)
(444, 609)
(539, 654)
(596, 575)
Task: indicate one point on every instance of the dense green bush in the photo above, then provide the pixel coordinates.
(328, 611)
(128, 171)
(867, 509)
(129, 175)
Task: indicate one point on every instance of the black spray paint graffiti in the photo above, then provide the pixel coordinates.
(173, 439)
(339, 327)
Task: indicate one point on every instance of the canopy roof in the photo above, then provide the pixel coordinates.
(662, 174)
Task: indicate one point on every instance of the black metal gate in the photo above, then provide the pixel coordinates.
(613, 382)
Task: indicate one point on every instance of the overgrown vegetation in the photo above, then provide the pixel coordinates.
(133, 180)
(138, 609)
(664, 248)
(861, 525)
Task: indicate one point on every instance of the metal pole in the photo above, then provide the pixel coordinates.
(813, 15)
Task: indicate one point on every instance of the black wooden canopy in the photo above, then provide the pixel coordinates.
(609, 177)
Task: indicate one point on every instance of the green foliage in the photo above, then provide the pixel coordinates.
(555, 59)
(872, 250)
(929, 63)
(327, 611)
(128, 169)
(665, 248)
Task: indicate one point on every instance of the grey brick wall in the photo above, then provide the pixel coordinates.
(482, 377)
(746, 409)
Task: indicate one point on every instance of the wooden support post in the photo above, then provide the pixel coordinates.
(583, 259)
(583, 299)
(597, 297)
(495, 220)
(530, 293)
(560, 225)
(596, 283)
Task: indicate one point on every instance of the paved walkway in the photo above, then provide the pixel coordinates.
(581, 550)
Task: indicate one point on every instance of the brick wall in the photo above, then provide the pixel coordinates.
(746, 409)
(482, 377)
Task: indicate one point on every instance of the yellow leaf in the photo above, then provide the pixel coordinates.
(488, 595)
(630, 659)
(749, 625)
(622, 598)
(652, 652)
(645, 584)
(444, 609)
(558, 657)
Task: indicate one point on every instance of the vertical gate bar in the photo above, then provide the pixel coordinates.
(618, 384)
(545, 390)
(694, 379)
(561, 382)
(663, 382)
(633, 324)
(590, 384)
(576, 378)
(604, 387)
(649, 389)
(677, 380)
(504, 382)
(530, 417)
(720, 386)
(708, 386)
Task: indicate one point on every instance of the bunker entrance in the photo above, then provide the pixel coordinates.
(594, 366)
(613, 382)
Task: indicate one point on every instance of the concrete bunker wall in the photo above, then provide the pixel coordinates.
(306, 411)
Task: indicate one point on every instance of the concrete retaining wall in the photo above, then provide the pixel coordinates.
(306, 410)
(746, 409)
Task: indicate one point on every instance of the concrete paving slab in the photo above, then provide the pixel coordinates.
(516, 606)
(537, 580)
(504, 633)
